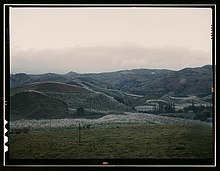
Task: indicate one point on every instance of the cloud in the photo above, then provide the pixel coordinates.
(105, 58)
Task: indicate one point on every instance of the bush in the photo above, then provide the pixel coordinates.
(204, 115)
(80, 110)
(20, 130)
(25, 130)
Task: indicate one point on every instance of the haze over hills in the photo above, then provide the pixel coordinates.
(111, 91)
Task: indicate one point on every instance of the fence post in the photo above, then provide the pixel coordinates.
(79, 133)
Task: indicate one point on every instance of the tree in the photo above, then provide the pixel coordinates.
(204, 115)
(170, 108)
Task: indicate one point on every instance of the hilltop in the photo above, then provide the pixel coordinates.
(50, 87)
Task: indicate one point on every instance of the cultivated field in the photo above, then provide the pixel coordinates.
(105, 121)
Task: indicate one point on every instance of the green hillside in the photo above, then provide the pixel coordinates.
(35, 105)
(93, 100)
(52, 100)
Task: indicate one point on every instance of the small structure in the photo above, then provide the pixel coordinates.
(156, 105)
(148, 108)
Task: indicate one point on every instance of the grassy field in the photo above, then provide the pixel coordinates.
(124, 142)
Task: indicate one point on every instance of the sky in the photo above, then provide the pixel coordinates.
(99, 39)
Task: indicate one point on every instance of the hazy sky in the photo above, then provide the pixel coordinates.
(108, 39)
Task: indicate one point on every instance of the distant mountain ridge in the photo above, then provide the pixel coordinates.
(187, 81)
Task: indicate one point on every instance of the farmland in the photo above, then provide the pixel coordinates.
(129, 114)
(111, 137)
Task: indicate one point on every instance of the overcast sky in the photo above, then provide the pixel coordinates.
(60, 40)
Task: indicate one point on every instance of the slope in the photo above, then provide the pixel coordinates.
(35, 105)
(73, 96)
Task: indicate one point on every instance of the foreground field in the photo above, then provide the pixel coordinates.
(123, 141)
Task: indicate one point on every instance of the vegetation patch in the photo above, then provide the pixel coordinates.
(122, 141)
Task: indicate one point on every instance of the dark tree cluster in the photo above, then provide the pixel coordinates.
(203, 113)
(170, 108)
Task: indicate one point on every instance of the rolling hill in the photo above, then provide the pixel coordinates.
(190, 81)
(113, 91)
(36, 100)
(35, 105)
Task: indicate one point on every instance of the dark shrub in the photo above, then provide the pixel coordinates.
(80, 110)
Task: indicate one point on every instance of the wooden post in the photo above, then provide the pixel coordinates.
(79, 133)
